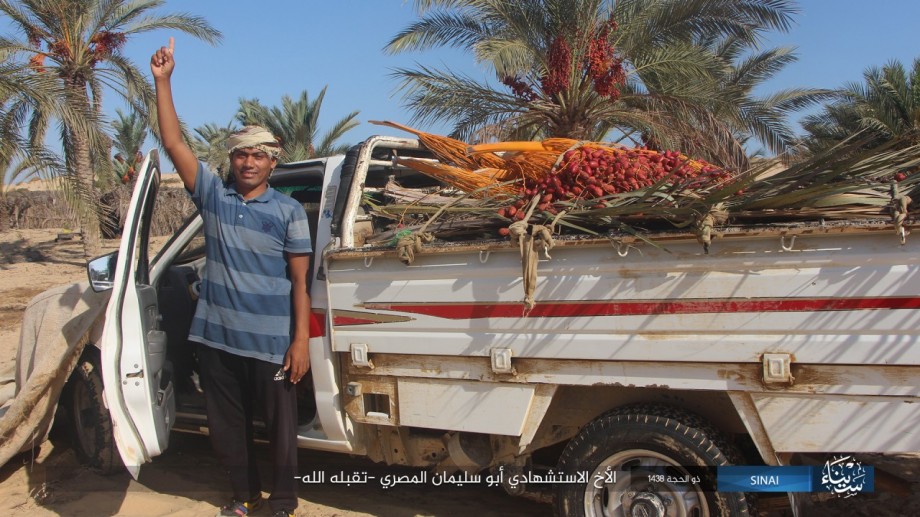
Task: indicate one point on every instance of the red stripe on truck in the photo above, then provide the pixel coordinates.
(460, 311)
(317, 323)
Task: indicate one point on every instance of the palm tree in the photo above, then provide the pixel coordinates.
(295, 123)
(747, 115)
(210, 146)
(587, 69)
(22, 94)
(129, 132)
(885, 107)
(80, 42)
(21, 161)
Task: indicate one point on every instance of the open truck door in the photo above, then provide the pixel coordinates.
(138, 382)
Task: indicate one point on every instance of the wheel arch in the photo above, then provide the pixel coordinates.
(574, 407)
(648, 436)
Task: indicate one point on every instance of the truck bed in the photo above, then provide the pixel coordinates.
(837, 302)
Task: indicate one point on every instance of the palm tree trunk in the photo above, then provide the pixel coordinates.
(89, 219)
(82, 174)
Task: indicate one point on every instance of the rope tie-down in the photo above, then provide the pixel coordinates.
(531, 239)
(705, 224)
(410, 244)
(899, 204)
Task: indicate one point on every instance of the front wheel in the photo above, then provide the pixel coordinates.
(655, 445)
(88, 423)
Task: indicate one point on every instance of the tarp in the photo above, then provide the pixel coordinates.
(56, 326)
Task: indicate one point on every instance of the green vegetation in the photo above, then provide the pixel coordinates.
(673, 74)
(79, 44)
(885, 107)
(296, 123)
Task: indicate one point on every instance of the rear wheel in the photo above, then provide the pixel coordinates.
(89, 425)
(657, 446)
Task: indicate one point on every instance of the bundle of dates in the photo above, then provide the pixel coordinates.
(589, 173)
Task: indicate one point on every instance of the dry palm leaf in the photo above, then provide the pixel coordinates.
(448, 149)
(472, 182)
(418, 196)
(533, 166)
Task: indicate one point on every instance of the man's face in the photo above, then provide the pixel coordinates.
(251, 168)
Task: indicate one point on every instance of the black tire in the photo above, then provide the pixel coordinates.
(660, 439)
(88, 423)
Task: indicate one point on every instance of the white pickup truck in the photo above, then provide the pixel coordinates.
(780, 340)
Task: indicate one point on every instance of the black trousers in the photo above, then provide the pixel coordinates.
(236, 388)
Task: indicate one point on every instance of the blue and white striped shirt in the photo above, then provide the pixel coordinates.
(245, 303)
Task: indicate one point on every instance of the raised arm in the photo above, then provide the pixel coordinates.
(181, 155)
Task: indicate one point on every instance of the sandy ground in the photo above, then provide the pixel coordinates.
(187, 481)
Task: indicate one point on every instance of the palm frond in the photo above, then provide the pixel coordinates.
(885, 104)
(327, 144)
(192, 25)
(435, 96)
(440, 28)
(296, 123)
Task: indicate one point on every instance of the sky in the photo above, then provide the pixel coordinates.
(273, 48)
(836, 40)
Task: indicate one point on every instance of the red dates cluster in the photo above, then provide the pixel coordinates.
(589, 173)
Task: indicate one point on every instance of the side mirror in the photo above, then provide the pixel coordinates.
(101, 271)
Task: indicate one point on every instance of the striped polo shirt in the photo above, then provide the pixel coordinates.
(245, 302)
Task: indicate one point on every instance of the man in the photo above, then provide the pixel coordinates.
(252, 319)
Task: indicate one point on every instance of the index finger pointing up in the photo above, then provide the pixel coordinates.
(172, 45)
